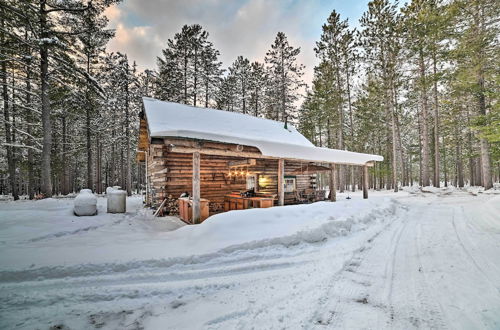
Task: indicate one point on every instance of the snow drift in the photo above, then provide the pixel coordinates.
(90, 251)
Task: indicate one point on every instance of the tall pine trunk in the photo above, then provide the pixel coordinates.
(46, 121)
(88, 113)
(8, 129)
(195, 83)
(436, 125)
(341, 176)
(127, 137)
(458, 159)
(425, 132)
(29, 120)
(486, 178)
(65, 179)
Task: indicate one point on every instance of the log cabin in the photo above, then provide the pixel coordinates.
(220, 161)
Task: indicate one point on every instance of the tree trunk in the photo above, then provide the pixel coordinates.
(8, 129)
(127, 137)
(436, 126)
(46, 120)
(65, 179)
(195, 85)
(486, 179)
(185, 75)
(445, 168)
(472, 176)
(351, 123)
(398, 138)
(29, 121)
(88, 113)
(425, 132)
(341, 129)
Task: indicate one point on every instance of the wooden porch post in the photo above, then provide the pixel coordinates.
(281, 183)
(196, 188)
(333, 187)
(365, 182)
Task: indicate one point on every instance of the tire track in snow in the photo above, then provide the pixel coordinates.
(468, 251)
(347, 287)
(435, 316)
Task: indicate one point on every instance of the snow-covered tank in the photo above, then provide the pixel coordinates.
(85, 203)
(108, 189)
(117, 201)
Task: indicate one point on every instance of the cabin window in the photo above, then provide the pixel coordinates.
(290, 184)
(251, 182)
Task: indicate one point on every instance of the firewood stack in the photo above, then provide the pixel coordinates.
(216, 207)
(171, 206)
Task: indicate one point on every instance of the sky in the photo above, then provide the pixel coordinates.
(236, 27)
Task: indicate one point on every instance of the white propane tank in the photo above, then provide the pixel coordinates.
(85, 203)
(117, 201)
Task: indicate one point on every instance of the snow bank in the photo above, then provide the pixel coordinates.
(130, 243)
(288, 225)
(85, 203)
(469, 190)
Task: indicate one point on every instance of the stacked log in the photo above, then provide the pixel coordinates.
(170, 173)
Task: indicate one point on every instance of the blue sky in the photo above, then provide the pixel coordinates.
(240, 27)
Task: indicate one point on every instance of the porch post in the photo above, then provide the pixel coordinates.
(333, 187)
(281, 182)
(196, 188)
(365, 181)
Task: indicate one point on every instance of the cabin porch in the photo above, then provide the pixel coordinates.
(225, 177)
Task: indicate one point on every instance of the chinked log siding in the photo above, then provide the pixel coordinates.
(170, 173)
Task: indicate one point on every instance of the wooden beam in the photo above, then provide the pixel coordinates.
(281, 182)
(196, 188)
(188, 147)
(333, 186)
(365, 182)
(245, 162)
(217, 152)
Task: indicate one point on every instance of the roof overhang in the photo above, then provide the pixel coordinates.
(268, 148)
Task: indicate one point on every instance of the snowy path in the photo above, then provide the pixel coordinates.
(433, 261)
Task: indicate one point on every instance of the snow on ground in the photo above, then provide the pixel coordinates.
(421, 258)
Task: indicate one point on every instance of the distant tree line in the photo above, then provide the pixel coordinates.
(189, 72)
(69, 108)
(417, 84)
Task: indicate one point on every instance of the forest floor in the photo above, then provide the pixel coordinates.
(416, 259)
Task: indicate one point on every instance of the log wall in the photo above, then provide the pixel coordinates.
(170, 173)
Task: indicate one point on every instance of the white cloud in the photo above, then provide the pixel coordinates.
(244, 27)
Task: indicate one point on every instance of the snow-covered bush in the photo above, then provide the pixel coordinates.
(85, 203)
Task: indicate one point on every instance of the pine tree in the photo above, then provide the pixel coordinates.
(285, 77)
(257, 88)
(381, 43)
(477, 60)
(240, 72)
(189, 69)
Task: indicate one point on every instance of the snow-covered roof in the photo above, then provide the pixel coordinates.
(168, 119)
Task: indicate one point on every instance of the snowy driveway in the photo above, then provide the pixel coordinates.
(427, 261)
